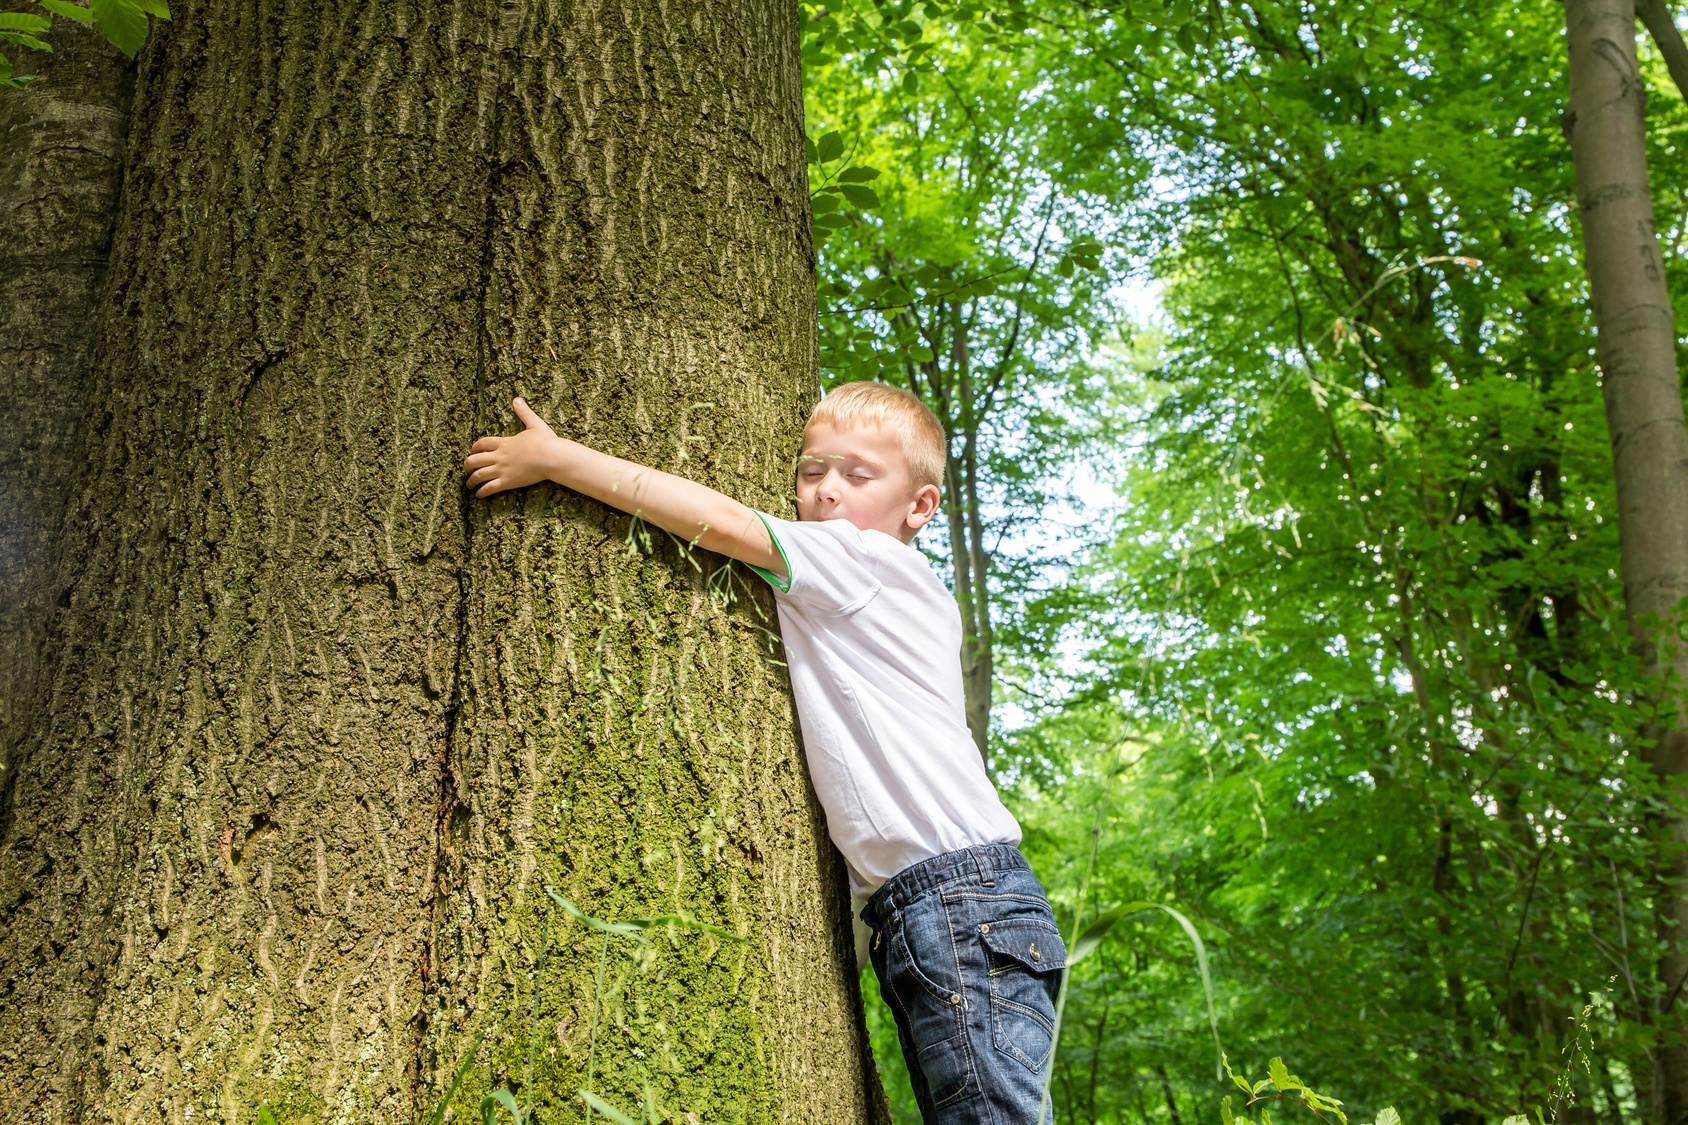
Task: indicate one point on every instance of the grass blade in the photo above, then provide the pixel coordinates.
(490, 1104)
(462, 1069)
(593, 1101)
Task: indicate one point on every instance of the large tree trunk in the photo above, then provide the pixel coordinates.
(61, 163)
(320, 729)
(1605, 122)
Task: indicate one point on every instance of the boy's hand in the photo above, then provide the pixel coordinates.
(696, 513)
(497, 464)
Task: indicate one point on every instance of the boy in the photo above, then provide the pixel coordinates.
(964, 941)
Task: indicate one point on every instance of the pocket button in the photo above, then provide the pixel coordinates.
(955, 998)
(984, 927)
(1034, 953)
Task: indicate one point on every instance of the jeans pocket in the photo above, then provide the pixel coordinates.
(934, 1016)
(1026, 960)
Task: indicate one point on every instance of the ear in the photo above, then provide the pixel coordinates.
(924, 507)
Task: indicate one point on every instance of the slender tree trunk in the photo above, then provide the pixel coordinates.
(61, 166)
(1166, 1089)
(966, 530)
(978, 666)
(320, 729)
(1605, 123)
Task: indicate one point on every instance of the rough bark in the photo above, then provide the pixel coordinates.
(61, 164)
(320, 728)
(1605, 123)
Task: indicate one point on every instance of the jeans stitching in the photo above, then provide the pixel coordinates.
(957, 896)
(908, 1021)
(930, 985)
(1032, 1012)
(960, 1018)
(1006, 1045)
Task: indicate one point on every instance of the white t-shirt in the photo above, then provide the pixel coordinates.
(873, 640)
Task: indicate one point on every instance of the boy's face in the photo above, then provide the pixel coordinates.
(861, 475)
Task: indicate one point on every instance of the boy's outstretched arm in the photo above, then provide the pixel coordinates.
(694, 512)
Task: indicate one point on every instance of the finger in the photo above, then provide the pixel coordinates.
(486, 444)
(481, 475)
(476, 460)
(490, 487)
(529, 419)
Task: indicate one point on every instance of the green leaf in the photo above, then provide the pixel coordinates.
(1225, 1114)
(1064, 267)
(605, 1108)
(1515, 1119)
(6, 72)
(71, 12)
(824, 204)
(831, 222)
(1279, 1073)
(1388, 1116)
(122, 23)
(154, 8)
(23, 40)
(490, 1104)
(911, 83)
(858, 175)
(265, 1117)
(24, 21)
(830, 147)
(809, 147)
(861, 196)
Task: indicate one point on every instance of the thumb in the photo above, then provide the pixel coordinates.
(528, 418)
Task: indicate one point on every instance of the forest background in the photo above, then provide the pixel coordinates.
(1282, 520)
(1281, 515)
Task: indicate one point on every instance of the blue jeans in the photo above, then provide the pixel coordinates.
(970, 961)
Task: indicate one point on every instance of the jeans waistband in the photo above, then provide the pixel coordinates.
(977, 865)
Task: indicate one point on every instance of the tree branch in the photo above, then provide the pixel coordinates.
(1661, 25)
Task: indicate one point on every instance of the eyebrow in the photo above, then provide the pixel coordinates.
(872, 463)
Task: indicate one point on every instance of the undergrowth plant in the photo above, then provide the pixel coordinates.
(1279, 1084)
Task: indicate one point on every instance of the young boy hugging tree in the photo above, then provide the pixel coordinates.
(964, 941)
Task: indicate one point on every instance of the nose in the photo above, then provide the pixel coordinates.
(828, 488)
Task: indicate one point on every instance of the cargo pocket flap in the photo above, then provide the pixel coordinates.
(1036, 945)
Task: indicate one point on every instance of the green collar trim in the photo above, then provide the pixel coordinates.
(783, 585)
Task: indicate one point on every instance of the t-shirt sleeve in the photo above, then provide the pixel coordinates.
(829, 565)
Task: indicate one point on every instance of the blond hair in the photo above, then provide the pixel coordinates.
(869, 403)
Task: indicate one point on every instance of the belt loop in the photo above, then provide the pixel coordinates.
(982, 859)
